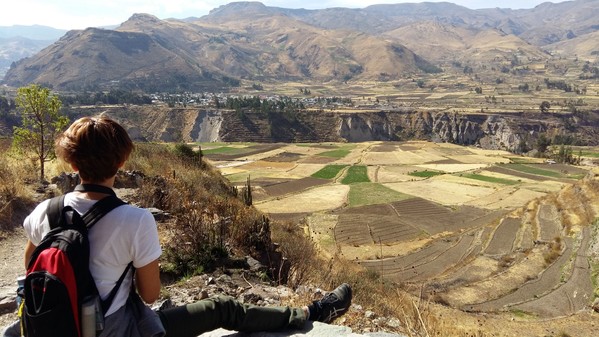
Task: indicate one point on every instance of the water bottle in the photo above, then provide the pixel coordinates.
(20, 290)
(99, 316)
(88, 317)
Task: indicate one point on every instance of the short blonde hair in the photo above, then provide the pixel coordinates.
(96, 146)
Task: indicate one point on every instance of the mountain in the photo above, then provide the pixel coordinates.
(35, 32)
(254, 42)
(17, 42)
(151, 54)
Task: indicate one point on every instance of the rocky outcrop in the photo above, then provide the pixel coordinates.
(516, 132)
(513, 132)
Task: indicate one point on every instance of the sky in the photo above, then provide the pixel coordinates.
(80, 14)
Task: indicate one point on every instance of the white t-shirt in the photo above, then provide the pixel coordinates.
(125, 234)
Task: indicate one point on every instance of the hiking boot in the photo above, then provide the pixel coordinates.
(332, 305)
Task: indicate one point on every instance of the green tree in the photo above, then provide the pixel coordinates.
(42, 122)
(543, 143)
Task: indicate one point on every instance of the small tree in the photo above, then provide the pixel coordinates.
(42, 122)
(545, 106)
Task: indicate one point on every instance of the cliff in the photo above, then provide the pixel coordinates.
(517, 132)
(513, 132)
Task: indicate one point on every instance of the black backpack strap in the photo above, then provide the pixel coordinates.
(54, 211)
(100, 209)
(95, 188)
(108, 301)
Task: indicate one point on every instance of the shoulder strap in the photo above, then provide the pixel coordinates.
(106, 303)
(95, 188)
(54, 211)
(100, 209)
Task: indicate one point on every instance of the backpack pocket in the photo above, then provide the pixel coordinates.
(48, 307)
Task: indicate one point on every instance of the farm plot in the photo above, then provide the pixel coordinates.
(548, 279)
(317, 199)
(373, 224)
(391, 174)
(575, 295)
(236, 152)
(472, 296)
(481, 159)
(381, 158)
(508, 197)
(385, 147)
(293, 186)
(434, 219)
(394, 266)
(549, 225)
(304, 170)
(256, 170)
(443, 255)
(317, 160)
(443, 192)
(287, 157)
(563, 169)
(506, 171)
(452, 168)
(502, 241)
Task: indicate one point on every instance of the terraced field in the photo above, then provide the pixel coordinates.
(481, 231)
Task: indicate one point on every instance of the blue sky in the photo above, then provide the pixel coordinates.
(79, 14)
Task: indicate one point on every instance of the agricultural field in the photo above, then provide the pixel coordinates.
(478, 230)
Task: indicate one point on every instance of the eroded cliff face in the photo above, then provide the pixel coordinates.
(513, 132)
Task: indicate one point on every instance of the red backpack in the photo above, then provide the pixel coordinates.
(58, 283)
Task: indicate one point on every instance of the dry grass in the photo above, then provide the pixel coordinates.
(554, 251)
(16, 178)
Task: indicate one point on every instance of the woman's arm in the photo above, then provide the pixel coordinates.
(147, 280)
(29, 248)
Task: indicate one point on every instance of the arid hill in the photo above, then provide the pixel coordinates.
(253, 42)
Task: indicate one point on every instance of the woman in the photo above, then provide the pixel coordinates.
(96, 148)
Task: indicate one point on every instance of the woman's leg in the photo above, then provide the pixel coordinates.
(225, 312)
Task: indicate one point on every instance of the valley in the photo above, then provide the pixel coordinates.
(481, 231)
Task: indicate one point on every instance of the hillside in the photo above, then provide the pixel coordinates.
(248, 41)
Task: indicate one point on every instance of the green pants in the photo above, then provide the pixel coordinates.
(225, 312)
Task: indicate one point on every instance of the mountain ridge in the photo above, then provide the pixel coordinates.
(254, 42)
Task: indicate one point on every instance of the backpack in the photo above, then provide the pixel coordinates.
(58, 282)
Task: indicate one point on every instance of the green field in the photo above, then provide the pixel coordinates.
(329, 171)
(534, 170)
(491, 179)
(425, 174)
(356, 174)
(338, 153)
(361, 194)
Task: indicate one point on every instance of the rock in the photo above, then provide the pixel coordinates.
(596, 305)
(369, 314)
(7, 302)
(313, 329)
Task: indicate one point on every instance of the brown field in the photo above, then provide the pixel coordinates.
(478, 245)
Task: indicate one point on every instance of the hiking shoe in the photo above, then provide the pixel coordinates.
(332, 305)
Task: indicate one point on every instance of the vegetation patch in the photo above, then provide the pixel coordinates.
(356, 174)
(425, 174)
(490, 179)
(338, 153)
(589, 154)
(522, 160)
(329, 171)
(221, 150)
(372, 193)
(534, 170)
